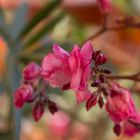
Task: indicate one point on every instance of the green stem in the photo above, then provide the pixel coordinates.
(13, 83)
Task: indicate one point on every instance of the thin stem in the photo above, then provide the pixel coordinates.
(105, 28)
(134, 77)
(100, 32)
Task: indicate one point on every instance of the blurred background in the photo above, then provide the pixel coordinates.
(28, 28)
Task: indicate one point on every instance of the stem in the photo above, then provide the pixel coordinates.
(134, 77)
(105, 28)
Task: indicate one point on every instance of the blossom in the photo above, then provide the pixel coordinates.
(55, 67)
(120, 105)
(59, 124)
(104, 5)
(132, 126)
(69, 70)
(22, 94)
(31, 71)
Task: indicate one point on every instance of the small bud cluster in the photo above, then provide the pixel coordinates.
(99, 80)
(30, 92)
(73, 71)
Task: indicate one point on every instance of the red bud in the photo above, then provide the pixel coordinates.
(38, 110)
(91, 102)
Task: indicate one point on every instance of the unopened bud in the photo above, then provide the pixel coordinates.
(31, 71)
(91, 102)
(38, 110)
(117, 129)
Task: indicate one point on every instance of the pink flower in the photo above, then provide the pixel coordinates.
(31, 71)
(59, 124)
(69, 71)
(132, 126)
(55, 67)
(22, 94)
(120, 105)
(105, 5)
(80, 67)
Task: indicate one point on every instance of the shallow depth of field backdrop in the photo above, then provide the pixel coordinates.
(28, 29)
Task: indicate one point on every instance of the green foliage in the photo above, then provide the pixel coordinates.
(44, 30)
(42, 14)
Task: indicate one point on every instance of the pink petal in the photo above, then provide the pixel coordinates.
(76, 79)
(59, 79)
(83, 95)
(86, 74)
(73, 64)
(86, 52)
(50, 62)
(59, 52)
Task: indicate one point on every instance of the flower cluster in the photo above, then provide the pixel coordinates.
(28, 92)
(78, 70)
(121, 109)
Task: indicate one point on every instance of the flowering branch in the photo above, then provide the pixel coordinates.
(74, 71)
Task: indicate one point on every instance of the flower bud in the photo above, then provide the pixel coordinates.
(91, 102)
(38, 110)
(106, 71)
(95, 54)
(101, 102)
(100, 59)
(102, 78)
(22, 94)
(31, 71)
(117, 129)
(104, 5)
(96, 83)
(52, 106)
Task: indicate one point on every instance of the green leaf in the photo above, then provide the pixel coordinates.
(19, 21)
(4, 32)
(2, 21)
(1, 88)
(5, 35)
(42, 14)
(47, 28)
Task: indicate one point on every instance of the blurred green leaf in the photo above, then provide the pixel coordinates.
(47, 28)
(42, 14)
(2, 21)
(3, 30)
(19, 21)
(126, 5)
(14, 76)
(1, 88)
(4, 34)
